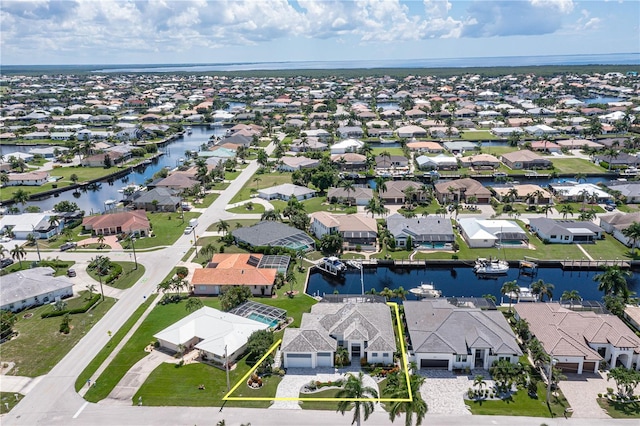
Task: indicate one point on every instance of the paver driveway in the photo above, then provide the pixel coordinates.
(444, 391)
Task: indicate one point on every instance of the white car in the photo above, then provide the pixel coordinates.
(188, 230)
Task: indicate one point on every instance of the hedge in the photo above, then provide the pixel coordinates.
(94, 299)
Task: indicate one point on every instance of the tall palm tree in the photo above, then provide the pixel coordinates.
(546, 209)
(101, 240)
(20, 196)
(223, 227)
(18, 252)
(416, 406)
(566, 209)
(633, 234)
(542, 289)
(613, 281)
(510, 287)
(356, 394)
(273, 214)
(381, 184)
(348, 187)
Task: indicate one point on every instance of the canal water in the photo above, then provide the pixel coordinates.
(92, 200)
(457, 281)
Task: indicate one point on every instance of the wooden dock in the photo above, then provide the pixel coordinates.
(593, 264)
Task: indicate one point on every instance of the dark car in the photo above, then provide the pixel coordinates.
(71, 273)
(68, 246)
(6, 262)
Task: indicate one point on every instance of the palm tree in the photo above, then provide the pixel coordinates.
(541, 288)
(348, 187)
(101, 240)
(580, 176)
(20, 196)
(18, 252)
(3, 251)
(633, 234)
(257, 180)
(546, 209)
(478, 382)
(566, 209)
(387, 293)
(613, 281)
(571, 296)
(381, 184)
(355, 394)
(508, 288)
(273, 214)
(400, 293)
(223, 227)
(372, 206)
(416, 405)
(193, 304)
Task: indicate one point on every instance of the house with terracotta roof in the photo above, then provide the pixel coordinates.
(444, 336)
(365, 330)
(236, 269)
(581, 340)
(425, 146)
(133, 222)
(462, 190)
(480, 162)
(525, 159)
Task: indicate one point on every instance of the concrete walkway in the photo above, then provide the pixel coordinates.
(18, 384)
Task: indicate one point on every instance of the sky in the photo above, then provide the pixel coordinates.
(34, 32)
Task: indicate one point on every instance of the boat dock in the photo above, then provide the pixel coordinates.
(582, 264)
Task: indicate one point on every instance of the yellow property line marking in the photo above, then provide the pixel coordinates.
(405, 365)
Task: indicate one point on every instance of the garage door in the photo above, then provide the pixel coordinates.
(434, 363)
(298, 360)
(324, 359)
(588, 367)
(567, 367)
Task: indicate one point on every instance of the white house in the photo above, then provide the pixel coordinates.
(211, 332)
(490, 232)
(365, 330)
(444, 336)
(347, 145)
(286, 191)
(24, 224)
(33, 287)
(27, 179)
(616, 223)
(565, 231)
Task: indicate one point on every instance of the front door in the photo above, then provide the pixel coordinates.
(355, 352)
(479, 360)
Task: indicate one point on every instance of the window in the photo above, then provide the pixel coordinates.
(385, 355)
(374, 354)
(502, 358)
(553, 237)
(461, 358)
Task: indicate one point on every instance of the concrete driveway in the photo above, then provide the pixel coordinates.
(582, 390)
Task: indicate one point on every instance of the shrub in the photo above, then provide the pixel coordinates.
(182, 271)
(94, 299)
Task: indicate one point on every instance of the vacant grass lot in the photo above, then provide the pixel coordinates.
(317, 204)
(575, 165)
(264, 181)
(40, 346)
(167, 228)
(521, 404)
(161, 317)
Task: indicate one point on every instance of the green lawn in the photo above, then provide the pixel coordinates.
(243, 209)
(317, 204)
(9, 398)
(40, 346)
(90, 369)
(233, 224)
(128, 278)
(60, 266)
(265, 181)
(618, 410)
(161, 317)
(167, 228)
(319, 405)
(477, 135)
(521, 404)
(390, 150)
(206, 201)
(55, 242)
(575, 166)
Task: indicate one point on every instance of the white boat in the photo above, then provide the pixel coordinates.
(485, 266)
(387, 141)
(523, 295)
(332, 265)
(630, 171)
(426, 291)
(189, 130)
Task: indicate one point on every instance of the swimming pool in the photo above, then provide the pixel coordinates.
(271, 322)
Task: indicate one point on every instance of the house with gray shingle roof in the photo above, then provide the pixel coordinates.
(33, 287)
(446, 336)
(364, 329)
(426, 232)
(565, 231)
(273, 234)
(159, 199)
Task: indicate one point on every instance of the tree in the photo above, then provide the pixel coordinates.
(626, 380)
(478, 382)
(348, 187)
(18, 252)
(330, 243)
(273, 214)
(504, 374)
(258, 344)
(355, 394)
(65, 328)
(101, 240)
(398, 389)
(107, 161)
(257, 180)
(20, 197)
(571, 296)
(508, 288)
(566, 209)
(542, 289)
(223, 227)
(7, 320)
(233, 296)
(65, 206)
(613, 282)
(74, 178)
(193, 304)
(263, 158)
(633, 234)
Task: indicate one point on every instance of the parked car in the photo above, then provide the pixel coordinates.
(68, 246)
(188, 230)
(71, 273)
(609, 207)
(6, 262)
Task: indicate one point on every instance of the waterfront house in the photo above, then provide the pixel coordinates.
(158, 200)
(425, 146)
(616, 223)
(462, 190)
(431, 232)
(356, 230)
(350, 161)
(365, 330)
(396, 190)
(395, 162)
(524, 194)
(525, 159)
(490, 232)
(27, 179)
(411, 131)
(359, 196)
(439, 162)
(348, 132)
(581, 340)
(100, 160)
(459, 147)
(33, 287)
(630, 190)
(622, 160)
(565, 231)
(39, 225)
(286, 191)
(130, 222)
(480, 162)
(573, 191)
(273, 234)
(444, 336)
(254, 271)
(347, 145)
(219, 336)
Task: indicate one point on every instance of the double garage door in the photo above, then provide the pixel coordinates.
(434, 363)
(305, 360)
